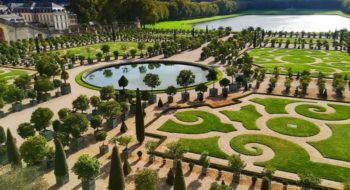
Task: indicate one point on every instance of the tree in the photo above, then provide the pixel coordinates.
(151, 80)
(231, 72)
(308, 180)
(116, 175)
(28, 178)
(110, 109)
(81, 103)
(96, 122)
(179, 178)
(216, 186)
(185, 78)
(2, 135)
(64, 76)
(12, 151)
(123, 82)
(126, 167)
(63, 113)
(139, 119)
(23, 82)
(34, 150)
(224, 82)
(201, 88)
(13, 94)
(41, 118)
(124, 141)
(265, 183)
(171, 90)
(176, 150)
(95, 101)
(25, 130)
(212, 76)
(146, 179)
(44, 85)
(75, 124)
(346, 186)
(107, 92)
(86, 167)
(236, 164)
(61, 167)
(105, 48)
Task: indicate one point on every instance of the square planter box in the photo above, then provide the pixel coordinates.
(185, 96)
(66, 89)
(107, 58)
(132, 108)
(200, 96)
(90, 61)
(70, 66)
(112, 123)
(61, 180)
(2, 114)
(48, 164)
(152, 99)
(88, 184)
(121, 98)
(224, 92)
(99, 59)
(33, 102)
(81, 63)
(104, 149)
(17, 106)
(46, 97)
(57, 94)
(170, 99)
(78, 143)
(126, 154)
(47, 134)
(3, 159)
(213, 92)
(233, 87)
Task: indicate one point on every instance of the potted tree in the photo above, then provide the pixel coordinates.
(32, 95)
(34, 150)
(133, 52)
(81, 59)
(15, 96)
(176, 150)
(224, 83)
(116, 55)
(95, 102)
(3, 148)
(105, 49)
(87, 168)
(231, 71)
(212, 76)
(99, 56)
(237, 165)
(151, 147)
(124, 141)
(41, 119)
(184, 79)
(57, 84)
(110, 111)
(42, 86)
(145, 96)
(201, 88)
(204, 160)
(65, 88)
(81, 103)
(2, 104)
(122, 82)
(76, 124)
(152, 81)
(146, 178)
(171, 91)
(100, 136)
(61, 167)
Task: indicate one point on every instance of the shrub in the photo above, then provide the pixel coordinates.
(86, 167)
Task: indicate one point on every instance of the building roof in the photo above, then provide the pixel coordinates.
(12, 18)
(35, 7)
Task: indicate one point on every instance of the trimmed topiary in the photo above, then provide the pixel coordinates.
(116, 175)
(126, 167)
(179, 177)
(139, 119)
(14, 157)
(123, 128)
(61, 167)
(160, 103)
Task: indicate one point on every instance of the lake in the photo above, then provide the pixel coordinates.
(307, 23)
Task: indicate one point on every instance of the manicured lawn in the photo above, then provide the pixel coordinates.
(338, 145)
(341, 112)
(247, 115)
(8, 74)
(210, 123)
(210, 145)
(299, 60)
(92, 50)
(303, 128)
(289, 157)
(274, 105)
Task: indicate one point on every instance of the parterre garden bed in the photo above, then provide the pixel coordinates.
(287, 132)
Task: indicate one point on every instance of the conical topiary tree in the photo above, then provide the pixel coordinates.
(179, 178)
(12, 151)
(265, 183)
(2, 135)
(61, 167)
(140, 125)
(160, 103)
(116, 175)
(123, 128)
(126, 167)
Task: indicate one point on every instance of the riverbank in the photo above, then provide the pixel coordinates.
(187, 24)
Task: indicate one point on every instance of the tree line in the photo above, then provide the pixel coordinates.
(148, 11)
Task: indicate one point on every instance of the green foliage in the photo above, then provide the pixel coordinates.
(13, 155)
(308, 180)
(210, 145)
(179, 177)
(265, 184)
(247, 115)
(216, 186)
(146, 179)
(2, 135)
(61, 167)
(34, 150)
(210, 123)
(124, 140)
(160, 103)
(23, 81)
(176, 150)
(86, 167)
(81, 103)
(274, 105)
(95, 101)
(13, 94)
(303, 128)
(171, 90)
(170, 177)
(43, 85)
(25, 130)
(116, 175)
(96, 122)
(100, 135)
(151, 146)
(224, 82)
(126, 167)
(63, 113)
(201, 87)
(236, 163)
(152, 80)
(41, 118)
(107, 92)
(75, 124)
(342, 112)
(28, 178)
(139, 119)
(123, 82)
(185, 78)
(110, 109)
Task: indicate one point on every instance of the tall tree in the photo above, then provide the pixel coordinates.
(140, 125)
(61, 167)
(116, 175)
(12, 150)
(179, 178)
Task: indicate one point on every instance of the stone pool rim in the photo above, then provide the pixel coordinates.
(79, 79)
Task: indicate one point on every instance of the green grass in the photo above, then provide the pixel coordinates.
(96, 48)
(301, 59)
(338, 145)
(247, 115)
(274, 105)
(210, 123)
(188, 24)
(210, 145)
(289, 157)
(341, 112)
(9, 74)
(304, 128)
